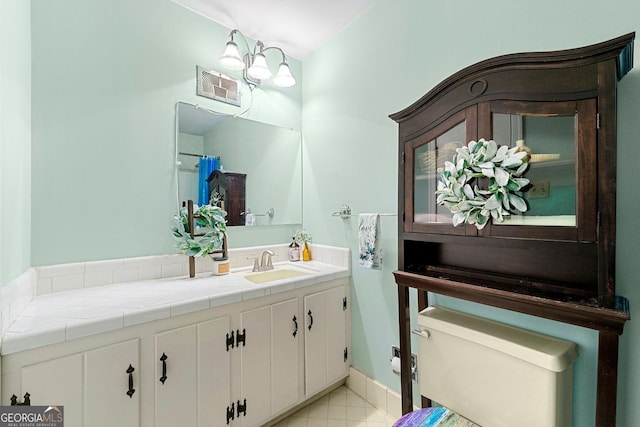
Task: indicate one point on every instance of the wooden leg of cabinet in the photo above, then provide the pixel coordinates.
(404, 318)
(607, 379)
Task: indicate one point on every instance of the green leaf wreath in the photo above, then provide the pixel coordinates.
(503, 166)
(211, 219)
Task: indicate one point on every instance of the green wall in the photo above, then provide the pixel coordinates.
(391, 56)
(106, 77)
(15, 138)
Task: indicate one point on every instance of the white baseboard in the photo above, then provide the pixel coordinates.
(376, 394)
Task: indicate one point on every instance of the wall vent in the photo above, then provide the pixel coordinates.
(214, 85)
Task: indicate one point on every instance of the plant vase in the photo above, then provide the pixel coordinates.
(306, 252)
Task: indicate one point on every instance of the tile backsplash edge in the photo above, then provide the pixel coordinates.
(63, 277)
(15, 296)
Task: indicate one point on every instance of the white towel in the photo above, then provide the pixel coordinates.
(250, 220)
(369, 236)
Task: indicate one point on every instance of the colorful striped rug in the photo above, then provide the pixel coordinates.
(433, 417)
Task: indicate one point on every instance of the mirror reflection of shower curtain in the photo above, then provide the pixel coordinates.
(206, 166)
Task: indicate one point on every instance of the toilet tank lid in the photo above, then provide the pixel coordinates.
(547, 352)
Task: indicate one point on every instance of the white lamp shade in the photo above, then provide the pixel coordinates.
(258, 69)
(283, 77)
(231, 58)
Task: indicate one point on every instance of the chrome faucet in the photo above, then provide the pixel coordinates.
(266, 262)
(263, 263)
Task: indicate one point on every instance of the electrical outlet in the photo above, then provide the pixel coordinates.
(538, 190)
(395, 352)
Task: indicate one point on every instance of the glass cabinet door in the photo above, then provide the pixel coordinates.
(424, 156)
(551, 146)
(560, 141)
(427, 159)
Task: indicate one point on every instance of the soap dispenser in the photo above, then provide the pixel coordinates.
(294, 250)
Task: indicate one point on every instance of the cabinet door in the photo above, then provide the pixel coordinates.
(285, 356)
(112, 395)
(56, 382)
(325, 339)
(336, 316)
(315, 339)
(423, 156)
(255, 356)
(214, 373)
(175, 397)
(561, 139)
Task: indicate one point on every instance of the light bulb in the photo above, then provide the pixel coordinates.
(283, 77)
(258, 69)
(231, 58)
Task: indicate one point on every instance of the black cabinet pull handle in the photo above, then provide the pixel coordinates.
(310, 319)
(131, 390)
(295, 322)
(164, 358)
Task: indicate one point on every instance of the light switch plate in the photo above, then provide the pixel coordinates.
(538, 190)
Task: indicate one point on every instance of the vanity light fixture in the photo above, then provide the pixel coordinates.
(254, 63)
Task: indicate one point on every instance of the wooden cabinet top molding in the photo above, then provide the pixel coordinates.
(535, 75)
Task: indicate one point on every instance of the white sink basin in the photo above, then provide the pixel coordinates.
(276, 274)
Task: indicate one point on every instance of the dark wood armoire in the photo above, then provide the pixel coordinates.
(230, 189)
(557, 260)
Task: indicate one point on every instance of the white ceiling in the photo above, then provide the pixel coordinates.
(296, 26)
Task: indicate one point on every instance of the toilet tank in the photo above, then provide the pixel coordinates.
(494, 374)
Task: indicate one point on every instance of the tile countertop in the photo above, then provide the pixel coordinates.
(64, 316)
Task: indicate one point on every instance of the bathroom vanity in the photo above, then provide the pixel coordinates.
(213, 350)
(555, 261)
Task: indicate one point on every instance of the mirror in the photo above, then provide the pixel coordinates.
(267, 158)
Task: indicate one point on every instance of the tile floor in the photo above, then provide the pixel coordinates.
(340, 408)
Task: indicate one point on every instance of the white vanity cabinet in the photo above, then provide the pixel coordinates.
(326, 349)
(55, 382)
(176, 377)
(97, 387)
(240, 364)
(269, 352)
(193, 375)
(286, 343)
(214, 372)
(111, 386)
